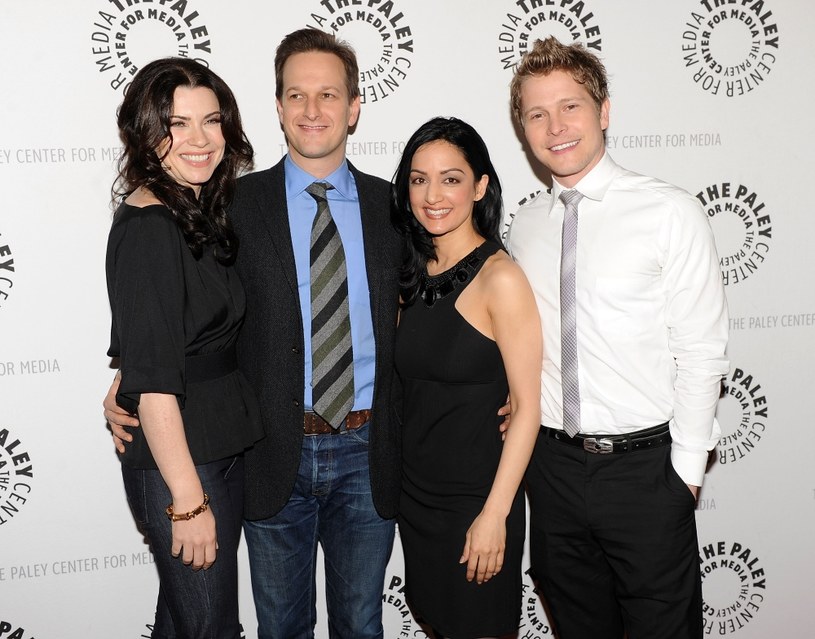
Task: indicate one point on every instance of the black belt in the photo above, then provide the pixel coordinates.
(202, 368)
(606, 444)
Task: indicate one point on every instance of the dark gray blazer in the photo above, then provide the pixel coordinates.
(270, 347)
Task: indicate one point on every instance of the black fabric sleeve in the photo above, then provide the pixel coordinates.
(147, 292)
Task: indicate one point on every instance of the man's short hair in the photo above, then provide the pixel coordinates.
(311, 39)
(551, 55)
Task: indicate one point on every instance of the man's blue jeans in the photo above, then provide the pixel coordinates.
(331, 505)
(202, 604)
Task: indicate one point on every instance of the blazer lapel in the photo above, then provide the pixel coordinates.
(373, 223)
(275, 215)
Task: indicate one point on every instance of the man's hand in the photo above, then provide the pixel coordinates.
(505, 412)
(117, 418)
(694, 490)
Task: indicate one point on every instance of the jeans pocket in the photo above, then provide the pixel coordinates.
(233, 465)
(360, 435)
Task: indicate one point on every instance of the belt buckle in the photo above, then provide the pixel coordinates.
(598, 446)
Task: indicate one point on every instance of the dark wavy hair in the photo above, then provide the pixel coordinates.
(144, 123)
(419, 247)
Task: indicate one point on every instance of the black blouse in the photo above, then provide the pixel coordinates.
(175, 321)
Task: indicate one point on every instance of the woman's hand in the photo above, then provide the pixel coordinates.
(484, 547)
(195, 540)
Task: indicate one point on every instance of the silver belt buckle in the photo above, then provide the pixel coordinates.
(599, 446)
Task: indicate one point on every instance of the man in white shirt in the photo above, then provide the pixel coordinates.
(613, 533)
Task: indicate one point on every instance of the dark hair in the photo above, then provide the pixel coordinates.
(486, 211)
(144, 123)
(311, 39)
(551, 55)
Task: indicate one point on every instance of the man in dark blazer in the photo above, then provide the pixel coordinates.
(306, 482)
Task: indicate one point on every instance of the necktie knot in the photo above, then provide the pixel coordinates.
(571, 198)
(317, 190)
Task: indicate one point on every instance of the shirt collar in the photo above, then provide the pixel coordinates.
(594, 184)
(297, 179)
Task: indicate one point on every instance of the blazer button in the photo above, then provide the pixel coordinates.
(296, 402)
(295, 350)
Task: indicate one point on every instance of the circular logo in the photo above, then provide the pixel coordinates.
(742, 414)
(730, 50)
(742, 227)
(532, 20)
(16, 475)
(128, 35)
(396, 616)
(15, 631)
(733, 587)
(534, 622)
(6, 271)
(381, 37)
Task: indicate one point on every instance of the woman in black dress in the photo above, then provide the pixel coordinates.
(177, 306)
(469, 333)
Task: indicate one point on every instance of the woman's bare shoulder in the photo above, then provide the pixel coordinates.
(142, 197)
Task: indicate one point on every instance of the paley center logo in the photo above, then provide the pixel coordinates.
(742, 227)
(531, 20)
(381, 36)
(534, 622)
(14, 631)
(16, 475)
(730, 46)
(131, 33)
(397, 620)
(742, 414)
(6, 271)
(733, 587)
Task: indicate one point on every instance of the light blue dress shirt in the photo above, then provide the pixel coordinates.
(343, 201)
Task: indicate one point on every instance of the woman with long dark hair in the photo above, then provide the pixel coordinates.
(469, 334)
(177, 306)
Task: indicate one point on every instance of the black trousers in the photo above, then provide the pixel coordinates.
(613, 543)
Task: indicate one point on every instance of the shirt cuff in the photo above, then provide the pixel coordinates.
(690, 466)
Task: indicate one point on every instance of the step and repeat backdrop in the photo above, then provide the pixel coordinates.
(712, 95)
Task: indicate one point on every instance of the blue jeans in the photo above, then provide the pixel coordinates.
(331, 505)
(202, 604)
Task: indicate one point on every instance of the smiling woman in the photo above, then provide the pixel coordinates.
(196, 145)
(468, 335)
(177, 306)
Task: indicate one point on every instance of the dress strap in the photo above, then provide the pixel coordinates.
(435, 287)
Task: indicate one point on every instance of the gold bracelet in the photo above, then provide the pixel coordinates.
(187, 516)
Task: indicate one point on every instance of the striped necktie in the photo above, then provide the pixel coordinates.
(332, 360)
(568, 315)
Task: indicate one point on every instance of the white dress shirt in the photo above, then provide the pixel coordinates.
(651, 311)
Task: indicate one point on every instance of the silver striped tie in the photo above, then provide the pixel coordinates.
(568, 315)
(332, 360)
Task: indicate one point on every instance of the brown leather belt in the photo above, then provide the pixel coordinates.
(313, 424)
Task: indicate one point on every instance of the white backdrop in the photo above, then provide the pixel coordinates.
(712, 95)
